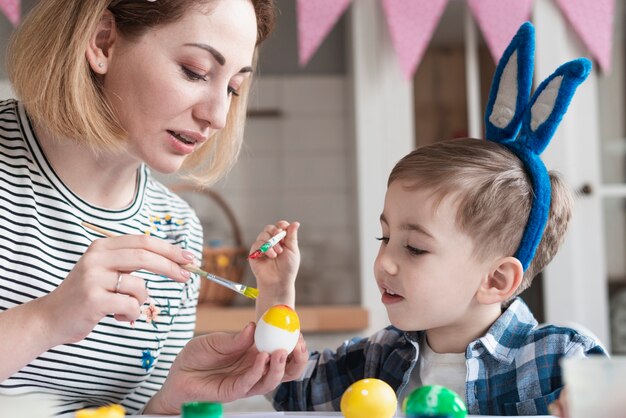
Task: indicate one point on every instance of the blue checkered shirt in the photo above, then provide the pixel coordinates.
(512, 370)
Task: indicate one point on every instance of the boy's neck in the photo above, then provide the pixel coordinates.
(456, 338)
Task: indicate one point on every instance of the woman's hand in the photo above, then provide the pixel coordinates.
(276, 270)
(101, 284)
(222, 367)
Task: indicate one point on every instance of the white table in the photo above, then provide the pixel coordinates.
(301, 414)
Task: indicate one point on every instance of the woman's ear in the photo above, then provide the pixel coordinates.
(101, 44)
(502, 281)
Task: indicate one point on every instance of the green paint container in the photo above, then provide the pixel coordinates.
(202, 410)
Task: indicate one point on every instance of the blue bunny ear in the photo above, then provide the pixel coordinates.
(550, 102)
(510, 88)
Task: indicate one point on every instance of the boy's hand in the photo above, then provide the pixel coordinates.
(276, 270)
(559, 407)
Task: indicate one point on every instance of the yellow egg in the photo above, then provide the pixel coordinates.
(278, 328)
(369, 398)
(111, 411)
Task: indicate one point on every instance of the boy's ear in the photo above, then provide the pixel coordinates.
(101, 42)
(502, 281)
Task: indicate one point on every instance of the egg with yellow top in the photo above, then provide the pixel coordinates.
(369, 398)
(278, 328)
(111, 411)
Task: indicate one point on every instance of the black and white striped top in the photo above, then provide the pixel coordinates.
(40, 241)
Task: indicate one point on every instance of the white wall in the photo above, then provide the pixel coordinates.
(297, 164)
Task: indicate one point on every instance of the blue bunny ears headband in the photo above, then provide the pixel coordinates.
(509, 109)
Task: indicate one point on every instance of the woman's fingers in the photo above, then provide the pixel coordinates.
(124, 307)
(141, 259)
(146, 242)
(154, 258)
(297, 361)
(127, 284)
(274, 374)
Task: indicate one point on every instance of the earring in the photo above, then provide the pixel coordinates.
(100, 64)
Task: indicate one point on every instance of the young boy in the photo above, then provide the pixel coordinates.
(466, 225)
(454, 212)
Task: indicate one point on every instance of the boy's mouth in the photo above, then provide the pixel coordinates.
(390, 297)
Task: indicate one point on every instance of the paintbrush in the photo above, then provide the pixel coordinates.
(247, 291)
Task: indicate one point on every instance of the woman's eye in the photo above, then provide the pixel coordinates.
(233, 91)
(414, 251)
(385, 240)
(192, 75)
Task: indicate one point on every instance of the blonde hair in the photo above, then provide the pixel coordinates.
(493, 195)
(50, 74)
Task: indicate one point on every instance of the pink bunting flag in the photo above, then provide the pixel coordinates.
(593, 21)
(499, 20)
(315, 20)
(12, 10)
(411, 25)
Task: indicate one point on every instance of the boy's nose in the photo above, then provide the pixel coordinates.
(387, 265)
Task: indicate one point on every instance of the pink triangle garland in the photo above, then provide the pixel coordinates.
(499, 20)
(411, 25)
(593, 21)
(316, 18)
(12, 10)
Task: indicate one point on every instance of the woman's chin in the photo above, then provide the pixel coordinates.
(165, 167)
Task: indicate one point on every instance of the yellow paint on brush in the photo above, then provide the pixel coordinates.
(250, 292)
(283, 317)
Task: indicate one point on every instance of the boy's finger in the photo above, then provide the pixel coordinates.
(282, 224)
(291, 240)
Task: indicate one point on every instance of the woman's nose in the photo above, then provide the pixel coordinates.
(214, 109)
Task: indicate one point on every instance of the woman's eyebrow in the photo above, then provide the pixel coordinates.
(217, 55)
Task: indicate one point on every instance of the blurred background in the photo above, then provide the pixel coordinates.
(324, 131)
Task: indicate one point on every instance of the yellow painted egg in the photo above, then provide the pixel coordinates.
(111, 411)
(369, 398)
(278, 328)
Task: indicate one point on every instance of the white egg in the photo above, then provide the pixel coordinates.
(278, 328)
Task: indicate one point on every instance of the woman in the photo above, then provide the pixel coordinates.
(108, 88)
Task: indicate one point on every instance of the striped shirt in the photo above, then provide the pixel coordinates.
(512, 370)
(40, 241)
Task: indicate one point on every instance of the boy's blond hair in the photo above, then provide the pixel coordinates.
(493, 193)
(51, 76)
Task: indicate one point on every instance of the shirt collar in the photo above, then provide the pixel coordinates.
(507, 334)
(503, 339)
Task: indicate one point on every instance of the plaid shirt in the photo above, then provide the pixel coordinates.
(512, 370)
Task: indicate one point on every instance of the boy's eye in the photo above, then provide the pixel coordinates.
(192, 75)
(385, 240)
(414, 251)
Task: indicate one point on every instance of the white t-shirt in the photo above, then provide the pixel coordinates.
(448, 369)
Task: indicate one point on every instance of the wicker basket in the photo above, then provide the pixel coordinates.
(224, 261)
